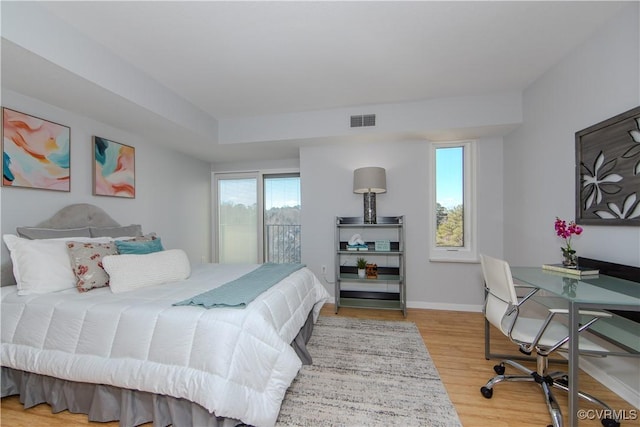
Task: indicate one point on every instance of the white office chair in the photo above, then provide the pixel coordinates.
(544, 336)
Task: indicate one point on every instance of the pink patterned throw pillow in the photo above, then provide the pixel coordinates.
(86, 261)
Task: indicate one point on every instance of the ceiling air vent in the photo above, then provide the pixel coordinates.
(363, 120)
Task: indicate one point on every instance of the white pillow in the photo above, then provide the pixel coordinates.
(129, 272)
(42, 266)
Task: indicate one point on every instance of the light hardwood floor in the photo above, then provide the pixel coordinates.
(455, 342)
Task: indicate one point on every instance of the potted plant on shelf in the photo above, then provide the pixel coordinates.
(361, 263)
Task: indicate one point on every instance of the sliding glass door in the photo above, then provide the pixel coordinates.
(282, 218)
(257, 218)
(237, 208)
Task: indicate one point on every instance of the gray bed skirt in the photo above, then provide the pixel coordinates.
(105, 403)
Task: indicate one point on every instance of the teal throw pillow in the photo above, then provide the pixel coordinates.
(139, 248)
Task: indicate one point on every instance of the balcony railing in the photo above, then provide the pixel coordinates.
(282, 244)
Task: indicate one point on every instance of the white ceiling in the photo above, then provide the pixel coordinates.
(240, 59)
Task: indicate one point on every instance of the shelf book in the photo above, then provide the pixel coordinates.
(577, 271)
(362, 247)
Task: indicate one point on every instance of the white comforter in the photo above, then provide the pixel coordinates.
(236, 363)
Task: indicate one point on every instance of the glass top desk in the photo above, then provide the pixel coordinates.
(589, 292)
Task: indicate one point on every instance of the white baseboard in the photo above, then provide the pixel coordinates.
(631, 395)
(477, 308)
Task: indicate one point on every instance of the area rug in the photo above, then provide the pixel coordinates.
(367, 373)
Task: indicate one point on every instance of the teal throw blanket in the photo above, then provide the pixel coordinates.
(240, 292)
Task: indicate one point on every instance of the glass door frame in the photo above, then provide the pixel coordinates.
(259, 177)
(221, 176)
(265, 177)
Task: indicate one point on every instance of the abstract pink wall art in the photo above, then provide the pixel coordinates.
(35, 152)
(113, 169)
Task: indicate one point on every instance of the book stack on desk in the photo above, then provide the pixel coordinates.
(357, 247)
(576, 271)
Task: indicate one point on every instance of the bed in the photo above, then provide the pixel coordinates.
(135, 356)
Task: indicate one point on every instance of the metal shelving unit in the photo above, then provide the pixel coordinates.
(390, 285)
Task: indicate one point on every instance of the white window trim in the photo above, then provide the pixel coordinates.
(468, 253)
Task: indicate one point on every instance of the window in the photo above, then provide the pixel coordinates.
(453, 200)
(282, 218)
(257, 218)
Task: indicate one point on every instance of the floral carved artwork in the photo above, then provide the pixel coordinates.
(608, 171)
(35, 152)
(113, 169)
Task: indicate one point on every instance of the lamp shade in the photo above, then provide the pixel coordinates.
(369, 180)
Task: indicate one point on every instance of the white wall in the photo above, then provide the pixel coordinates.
(172, 189)
(596, 81)
(432, 117)
(327, 191)
(259, 165)
(55, 40)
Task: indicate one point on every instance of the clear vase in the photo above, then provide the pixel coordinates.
(569, 286)
(569, 258)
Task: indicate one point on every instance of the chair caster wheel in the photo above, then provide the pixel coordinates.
(488, 393)
(499, 369)
(564, 380)
(608, 422)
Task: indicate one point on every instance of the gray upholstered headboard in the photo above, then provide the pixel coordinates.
(73, 216)
(79, 215)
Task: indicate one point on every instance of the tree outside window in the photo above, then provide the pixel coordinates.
(453, 191)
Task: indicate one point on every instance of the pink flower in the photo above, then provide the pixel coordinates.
(566, 231)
